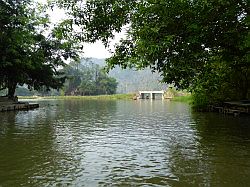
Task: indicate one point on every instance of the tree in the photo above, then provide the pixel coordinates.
(74, 74)
(105, 84)
(30, 52)
(196, 44)
(87, 78)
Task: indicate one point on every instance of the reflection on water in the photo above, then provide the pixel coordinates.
(225, 143)
(122, 143)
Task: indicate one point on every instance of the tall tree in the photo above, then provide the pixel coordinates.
(30, 51)
(196, 44)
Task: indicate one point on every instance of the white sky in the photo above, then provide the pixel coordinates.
(97, 49)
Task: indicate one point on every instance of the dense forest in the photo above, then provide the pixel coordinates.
(202, 46)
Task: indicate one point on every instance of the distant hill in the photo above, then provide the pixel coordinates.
(131, 80)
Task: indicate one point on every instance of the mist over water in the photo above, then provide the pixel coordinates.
(122, 143)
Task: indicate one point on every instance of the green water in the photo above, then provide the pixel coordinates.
(122, 143)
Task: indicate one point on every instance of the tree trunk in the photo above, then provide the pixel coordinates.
(245, 86)
(11, 90)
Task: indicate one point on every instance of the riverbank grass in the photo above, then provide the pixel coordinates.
(101, 97)
(186, 99)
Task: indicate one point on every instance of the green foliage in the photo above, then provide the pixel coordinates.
(199, 45)
(30, 52)
(87, 78)
(186, 99)
(200, 100)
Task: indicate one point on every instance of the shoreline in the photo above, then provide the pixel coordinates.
(186, 99)
(103, 97)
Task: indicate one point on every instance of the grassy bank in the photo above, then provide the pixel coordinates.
(103, 97)
(186, 99)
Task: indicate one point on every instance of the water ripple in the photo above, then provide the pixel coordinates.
(117, 143)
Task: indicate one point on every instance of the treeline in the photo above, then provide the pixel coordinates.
(87, 78)
(82, 78)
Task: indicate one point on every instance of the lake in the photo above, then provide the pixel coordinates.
(122, 143)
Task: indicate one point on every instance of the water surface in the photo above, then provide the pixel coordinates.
(122, 143)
